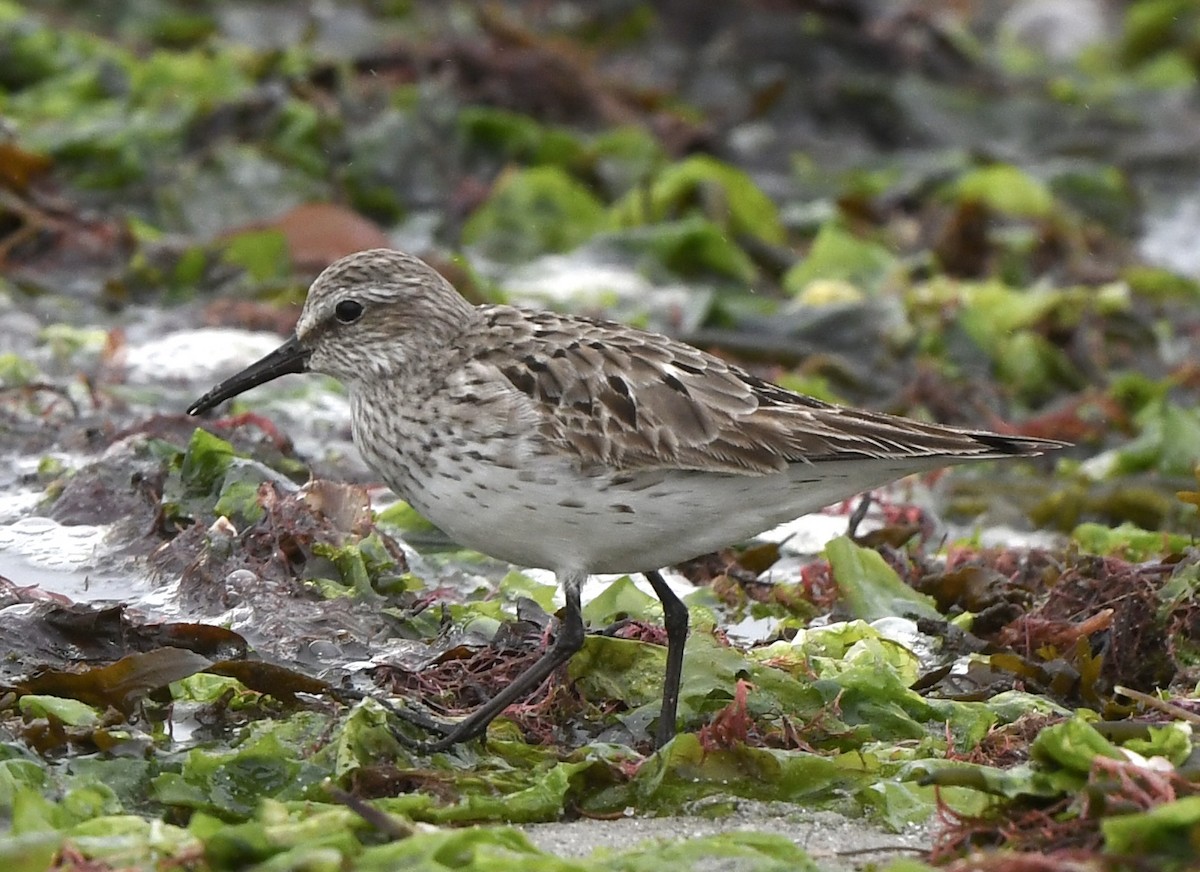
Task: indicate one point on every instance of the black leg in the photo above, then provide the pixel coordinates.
(857, 516)
(675, 618)
(566, 643)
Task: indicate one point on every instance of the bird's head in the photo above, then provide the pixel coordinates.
(367, 315)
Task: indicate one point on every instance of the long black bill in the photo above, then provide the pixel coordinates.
(289, 357)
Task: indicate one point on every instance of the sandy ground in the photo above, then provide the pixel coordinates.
(834, 842)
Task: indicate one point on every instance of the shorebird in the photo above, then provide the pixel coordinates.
(579, 445)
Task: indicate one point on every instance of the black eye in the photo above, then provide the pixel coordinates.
(348, 311)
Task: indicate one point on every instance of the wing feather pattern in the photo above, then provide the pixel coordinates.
(629, 400)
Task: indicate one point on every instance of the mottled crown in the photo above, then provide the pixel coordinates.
(407, 310)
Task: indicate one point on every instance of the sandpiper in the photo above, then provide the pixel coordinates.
(578, 445)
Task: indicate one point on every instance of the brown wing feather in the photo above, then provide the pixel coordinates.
(631, 400)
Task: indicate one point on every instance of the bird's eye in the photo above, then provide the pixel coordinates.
(348, 311)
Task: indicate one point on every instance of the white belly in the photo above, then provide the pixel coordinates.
(557, 519)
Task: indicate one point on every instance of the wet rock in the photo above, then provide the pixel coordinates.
(122, 485)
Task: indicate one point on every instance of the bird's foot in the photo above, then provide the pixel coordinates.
(449, 731)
